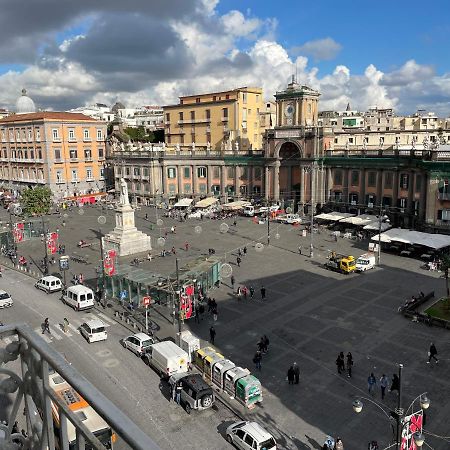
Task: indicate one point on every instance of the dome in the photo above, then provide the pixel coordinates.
(25, 104)
(117, 106)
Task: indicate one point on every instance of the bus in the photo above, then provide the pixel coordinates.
(76, 403)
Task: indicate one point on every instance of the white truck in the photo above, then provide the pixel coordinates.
(365, 262)
(166, 358)
(252, 210)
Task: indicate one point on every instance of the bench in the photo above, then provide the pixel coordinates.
(79, 258)
(410, 311)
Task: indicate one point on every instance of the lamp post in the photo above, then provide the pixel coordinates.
(381, 217)
(178, 292)
(44, 240)
(311, 170)
(399, 413)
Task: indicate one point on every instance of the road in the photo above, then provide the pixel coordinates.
(115, 371)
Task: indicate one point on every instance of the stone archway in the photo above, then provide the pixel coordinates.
(288, 150)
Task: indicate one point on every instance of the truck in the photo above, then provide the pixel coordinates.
(166, 358)
(252, 210)
(341, 263)
(365, 262)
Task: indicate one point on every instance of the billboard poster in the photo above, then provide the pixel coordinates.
(52, 243)
(18, 232)
(109, 265)
(187, 301)
(411, 424)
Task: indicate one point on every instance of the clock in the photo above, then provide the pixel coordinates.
(289, 110)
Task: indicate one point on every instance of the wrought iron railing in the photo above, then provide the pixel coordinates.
(29, 387)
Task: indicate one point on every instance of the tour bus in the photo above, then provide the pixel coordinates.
(78, 405)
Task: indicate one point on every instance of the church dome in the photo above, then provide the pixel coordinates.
(25, 104)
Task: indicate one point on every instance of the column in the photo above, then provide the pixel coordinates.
(289, 183)
(223, 179)
(163, 180)
(380, 187)
(423, 196)
(395, 189)
(179, 180)
(411, 186)
(209, 179)
(266, 183)
(362, 191)
(237, 174)
(328, 183)
(345, 196)
(302, 186)
(250, 173)
(276, 181)
(194, 180)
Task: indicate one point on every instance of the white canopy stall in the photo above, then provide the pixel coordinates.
(206, 202)
(183, 203)
(361, 220)
(334, 216)
(434, 241)
(234, 206)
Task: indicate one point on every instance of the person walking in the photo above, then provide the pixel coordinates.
(349, 364)
(384, 383)
(395, 384)
(300, 249)
(214, 313)
(146, 216)
(46, 326)
(212, 334)
(432, 352)
(186, 246)
(174, 251)
(291, 375)
(296, 373)
(257, 360)
(232, 282)
(252, 292)
(239, 293)
(239, 252)
(371, 383)
(245, 292)
(266, 342)
(178, 389)
(245, 250)
(238, 261)
(340, 363)
(338, 444)
(263, 293)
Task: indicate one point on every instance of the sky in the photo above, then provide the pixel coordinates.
(380, 53)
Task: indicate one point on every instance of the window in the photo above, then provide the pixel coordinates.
(89, 173)
(57, 154)
(99, 135)
(55, 134)
(372, 179)
(74, 175)
(249, 440)
(388, 180)
(100, 153)
(335, 140)
(197, 100)
(180, 116)
(402, 202)
(86, 134)
(355, 177)
(225, 113)
(208, 114)
(87, 154)
(404, 181)
(257, 173)
(244, 97)
(38, 134)
(127, 171)
(168, 117)
(145, 172)
(216, 172)
(171, 172)
(102, 172)
(187, 188)
(71, 134)
(73, 153)
(244, 173)
(230, 172)
(187, 172)
(201, 172)
(192, 113)
(30, 135)
(338, 177)
(172, 189)
(240, 434)
(202, 187)
(350, 140)
(244, 115)
(136, 171)
(214, 98)
(59, 176)
(227, 96)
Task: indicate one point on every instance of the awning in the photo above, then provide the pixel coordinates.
(206, 202)
(435, 241)
(375, 226)
(362, 219)
(233, 206)
(82, 196)
(333, 216)
(183, 203)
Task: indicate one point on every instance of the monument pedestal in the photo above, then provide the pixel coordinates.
(126, 239)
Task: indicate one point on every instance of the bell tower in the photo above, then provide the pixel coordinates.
(297, 106)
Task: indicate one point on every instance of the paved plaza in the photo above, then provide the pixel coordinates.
(310, 315)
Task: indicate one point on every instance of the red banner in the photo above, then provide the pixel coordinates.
(18, 232)
(186, 306)
(412, 424)
(109, 265)
(52, 243)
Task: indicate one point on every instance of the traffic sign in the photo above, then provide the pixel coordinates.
(146, 301)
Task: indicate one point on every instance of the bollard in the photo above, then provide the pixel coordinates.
(134, 325)
(116, 313)
(128, 320)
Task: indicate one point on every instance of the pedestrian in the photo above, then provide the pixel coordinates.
(266, 343)
(65, 325)
(291, 375)
(186, 246)
(146, 216)
(245, 250)
(432, 352)
(234, 222)
(212, 334)
(371, 383)
(384, 383)
(338, 445)
(174, 251)
(232, 281)
(300, 249)
(239, 293)
(349, 364)
(263, 293)
(178, 389)
(238, 261)
(395, 384)
(296, 373)
(260, 344)
(252, 292)
(373, 445)
(214, 312)
(245, 292)
(46, 326)
(340, 362)
(239, 252)
(172, 229)
(257, 360)
(80, 278)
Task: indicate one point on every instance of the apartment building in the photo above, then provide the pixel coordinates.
(64, 151)
(218, 120)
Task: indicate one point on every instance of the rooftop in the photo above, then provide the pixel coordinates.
(47, 115)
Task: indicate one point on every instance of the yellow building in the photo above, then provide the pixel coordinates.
(226, 120)
(64, 151)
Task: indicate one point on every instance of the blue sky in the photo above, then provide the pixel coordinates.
(379, 53)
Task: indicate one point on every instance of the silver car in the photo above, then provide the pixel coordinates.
(5, 300)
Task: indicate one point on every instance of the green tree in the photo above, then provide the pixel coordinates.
(445, 267)
(36, 201)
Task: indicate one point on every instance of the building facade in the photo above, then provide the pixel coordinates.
(219, 121)
(63, 151)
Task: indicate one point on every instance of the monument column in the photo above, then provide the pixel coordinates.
(266, 183)
(163, 180)
(194, 180)
(276, 181)
(237, 174)
(179, 179)
(302, 185)
(223, 178)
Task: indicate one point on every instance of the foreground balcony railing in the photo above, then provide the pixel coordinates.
(56, 401)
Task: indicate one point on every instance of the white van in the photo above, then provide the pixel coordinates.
(365, 262)
(167, 358)
(93, 330)
(292, 218)
(49, 284)
(79, 297)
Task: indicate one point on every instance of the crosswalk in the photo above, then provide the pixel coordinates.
(56, 329)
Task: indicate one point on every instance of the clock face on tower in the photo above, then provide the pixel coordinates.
(289, 110)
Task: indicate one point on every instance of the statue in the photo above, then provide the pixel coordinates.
(208, 146)
(413, 143)
(122, 147)
(365, 143)
(163, 145)
(124, 200)
(236, 146)
(381, 142)
(193, 146)
(177, 147)
(228, 145)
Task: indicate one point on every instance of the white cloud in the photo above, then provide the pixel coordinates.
(320, 49)
(236, 24)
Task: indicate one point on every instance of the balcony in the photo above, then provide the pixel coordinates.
(443, 195)
(58, 161)
(194, 121)
(87, 139)
(73, 159)
(72, 139)
(224, 119)
(88, 159)
(27, 386)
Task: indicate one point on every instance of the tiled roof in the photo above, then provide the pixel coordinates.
(49, 115)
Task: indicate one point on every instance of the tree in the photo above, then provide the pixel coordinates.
(37, 201)
(445, 267)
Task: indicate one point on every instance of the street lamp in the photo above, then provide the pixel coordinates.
(399, 413)
(381, 218)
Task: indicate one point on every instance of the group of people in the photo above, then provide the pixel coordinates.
(77, 279)
(293, 374)
(262, 348)
(344, 363)
(384, 384)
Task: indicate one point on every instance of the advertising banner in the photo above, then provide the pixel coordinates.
(109, 265)
(52, 243)
(411, 424)
(18, 232)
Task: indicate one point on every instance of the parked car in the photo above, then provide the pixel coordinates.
(250, 435)
(138, 343)
(195, 392)
(49, 284)
(93, 331)
(166, 358)
(5, 300)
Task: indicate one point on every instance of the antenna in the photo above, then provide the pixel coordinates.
(296, 75)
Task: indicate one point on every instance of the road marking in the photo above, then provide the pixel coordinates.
(55, 334)
(93, 316)
(108, 319)
(73, 328)
(45, 336)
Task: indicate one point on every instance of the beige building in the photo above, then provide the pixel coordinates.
(219, 120)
